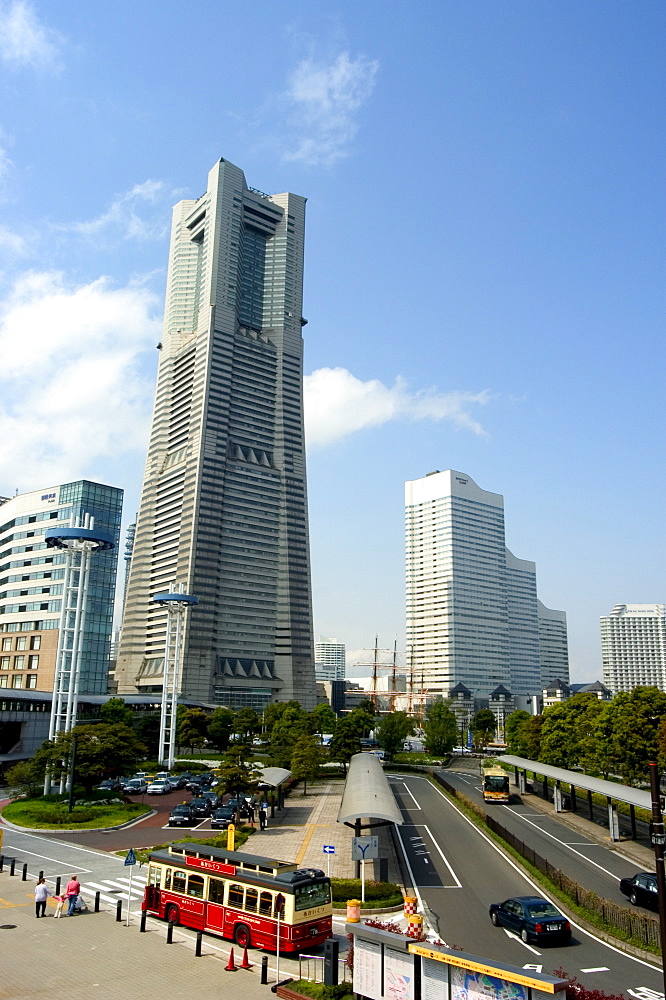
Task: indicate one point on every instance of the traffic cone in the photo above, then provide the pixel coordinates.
(245, 964)
(230, 967)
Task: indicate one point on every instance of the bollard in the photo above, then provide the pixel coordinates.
(2, 862)
(197, 949)
(142, 925)
(331, 955)
(97, 901)
(264, 970)
(12, 866)
(57, 887)
(41, 874)
(119, 910)
(24, 872)
(169, 937)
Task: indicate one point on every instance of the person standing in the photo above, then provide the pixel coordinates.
(72, 892)
(41, 895)
(262, 817)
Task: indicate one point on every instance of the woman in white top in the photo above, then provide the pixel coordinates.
(41, 895)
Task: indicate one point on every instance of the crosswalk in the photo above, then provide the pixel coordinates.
(111, 890)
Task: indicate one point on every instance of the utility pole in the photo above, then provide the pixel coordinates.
(658, 837)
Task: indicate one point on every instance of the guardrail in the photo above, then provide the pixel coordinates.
(311, 967)
(638, 926)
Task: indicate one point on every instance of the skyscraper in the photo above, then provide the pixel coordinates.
(330, 660)
(633, 646)
(32, 579)
(472, 607)
(224, 504)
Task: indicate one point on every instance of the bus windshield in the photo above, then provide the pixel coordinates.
(496, 783)
(316, 894)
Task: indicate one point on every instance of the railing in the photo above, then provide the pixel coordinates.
(311, 967)
(638, 926)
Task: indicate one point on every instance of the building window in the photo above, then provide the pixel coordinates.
(19, 662)
(7, 643)
(4, 663)
(17, 681)
(33, 662)
(21, 642)
(3, 681)
(31, 681)
(35, 641)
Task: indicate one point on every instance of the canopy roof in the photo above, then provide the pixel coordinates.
(612, 789)
(273, 775)
(367, 792)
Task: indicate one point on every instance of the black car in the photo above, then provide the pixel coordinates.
(201, 806)
(182, 815)
(109, 785)
(214, 798)
(222, 817)
(239, 805)
(534, 918)
(641, 890)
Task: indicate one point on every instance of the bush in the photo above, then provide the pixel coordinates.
(59, 816)
(343, 889)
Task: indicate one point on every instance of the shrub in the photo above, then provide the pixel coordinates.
(350, 888)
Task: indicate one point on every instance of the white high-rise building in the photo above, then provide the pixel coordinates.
(223, 508)
(472, 607)
(633, 646)
(330, 660)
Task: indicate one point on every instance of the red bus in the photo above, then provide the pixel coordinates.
(238, 896)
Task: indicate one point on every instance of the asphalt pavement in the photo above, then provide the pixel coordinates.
(458, 871)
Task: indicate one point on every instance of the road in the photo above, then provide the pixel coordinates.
(458, 871)
(592, 865)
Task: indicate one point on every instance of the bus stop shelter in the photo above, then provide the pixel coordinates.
(612, 791)
(367, 795)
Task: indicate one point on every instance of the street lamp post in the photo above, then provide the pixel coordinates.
(658, 836)
(176, 602)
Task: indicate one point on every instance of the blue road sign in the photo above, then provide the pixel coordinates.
(329, 849)
(131, 857)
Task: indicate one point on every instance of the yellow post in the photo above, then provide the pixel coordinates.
(231, 837)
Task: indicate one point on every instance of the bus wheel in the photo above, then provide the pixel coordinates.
(242, 936)
(171, 914)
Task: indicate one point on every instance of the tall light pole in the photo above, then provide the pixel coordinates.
(177, 603)
(78, 541)
(658, 837)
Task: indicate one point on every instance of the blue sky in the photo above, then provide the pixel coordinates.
(484, 263)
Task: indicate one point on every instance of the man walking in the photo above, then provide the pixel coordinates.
(41, 895)
(72, 892)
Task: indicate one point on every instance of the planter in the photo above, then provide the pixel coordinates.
(286, 994)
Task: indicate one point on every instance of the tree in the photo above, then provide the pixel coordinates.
(220, 728)
(441, 728)
(305, 759)
(237, 772)
(630, 723)
(102, 751)
(566, 730)
(247, 724)
(346, 741)
(361, 721)
(483, 727)
(148, 732)
(275, 711)
(393, 730)
(533, 737)
(516, 733)
(25, 778)
(192, 728)
(324, 719)
(115, 710)
(292, 723)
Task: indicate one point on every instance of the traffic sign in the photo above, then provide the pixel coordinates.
(131, 857)
(365, 848)
(329, 849)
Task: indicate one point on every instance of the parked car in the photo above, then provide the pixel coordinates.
(182, 815)
(239, 803)
(160, 786)
(201, 806)
(222, 817)
(534, 918)
(109, 785)
(135, 786)
(641, 889)
(214, 798)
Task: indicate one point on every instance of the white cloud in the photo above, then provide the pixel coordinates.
(338, 404)
(325, 98)
(71, 386)
(24, 41)
(12, 242)
(122, 218)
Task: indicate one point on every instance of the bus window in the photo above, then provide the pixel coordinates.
(216, 891)
(236, 896)
(312, 895)
(179, 881)
(154, 876)
(195, 886)
(251, 896)
(266, 903)
(167, 878)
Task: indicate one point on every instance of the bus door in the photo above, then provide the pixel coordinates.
(215, 907)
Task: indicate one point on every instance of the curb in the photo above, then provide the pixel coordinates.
(95, 829)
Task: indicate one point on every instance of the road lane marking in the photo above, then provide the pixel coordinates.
(517, 937)
(535, 968)
(600, 968)
(558, 841)
(45, 857)
(416, 847)
(411, 796)
(539, 890)
(69, 847)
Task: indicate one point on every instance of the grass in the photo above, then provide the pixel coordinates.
(38, 814)
(320, 992)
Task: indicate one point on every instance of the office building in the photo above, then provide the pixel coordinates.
(31, 585)
(553, 644)
(633, 646)
(223, 508)
(472, 606)
(330, 660)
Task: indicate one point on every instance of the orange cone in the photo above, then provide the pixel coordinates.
(230, 967)
(245, 964)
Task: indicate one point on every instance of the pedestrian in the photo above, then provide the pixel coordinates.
(59, 905)
(250, 812)
(41, 895)
(262, 818)
(72, 891)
